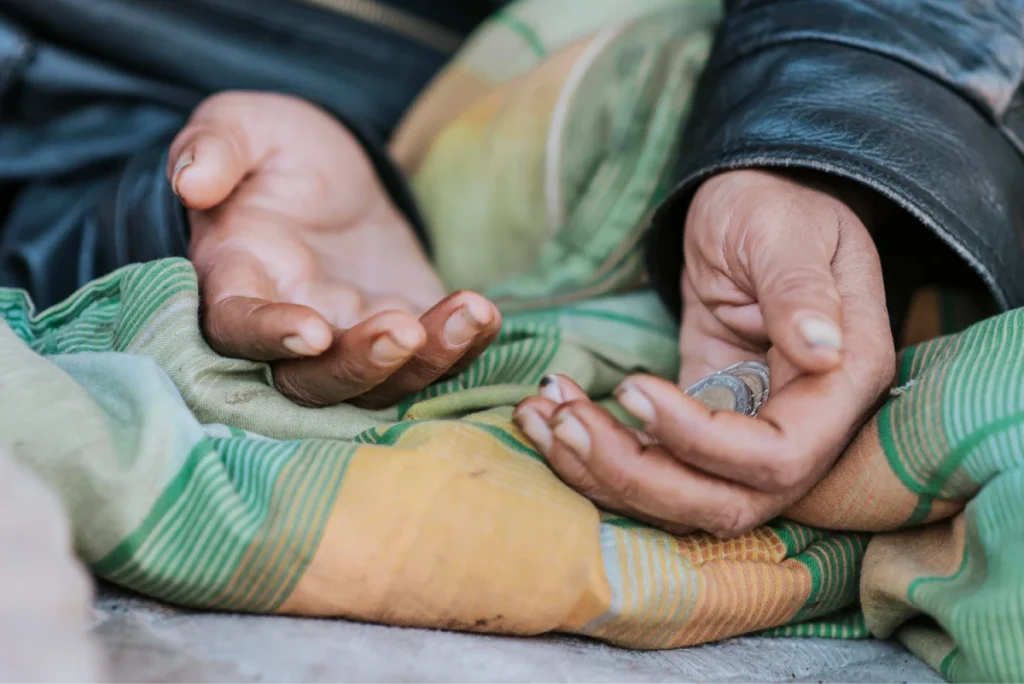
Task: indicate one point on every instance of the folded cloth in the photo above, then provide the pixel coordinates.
(539, 152)
(190, 479)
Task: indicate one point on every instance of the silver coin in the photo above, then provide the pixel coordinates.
(755, 375)
(742, 387)
(721, 392)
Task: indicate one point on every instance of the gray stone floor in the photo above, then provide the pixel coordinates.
(148, 642)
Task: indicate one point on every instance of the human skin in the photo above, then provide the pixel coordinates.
(776, 269)
(303, 261)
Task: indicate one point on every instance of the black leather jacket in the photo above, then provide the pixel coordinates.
(920, 101)
(92, 92)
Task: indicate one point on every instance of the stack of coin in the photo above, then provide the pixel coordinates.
(742, 387)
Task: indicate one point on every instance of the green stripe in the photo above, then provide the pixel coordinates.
(509, 441)
(947, 663)
(125, 551)
(330, 490)
(524, 31)
(831, 590)
(220, 504)
(887, 438)
(952, 463)
(390, 436)
(921, 511)
(913, 587)
(625, 523)
(794, 536)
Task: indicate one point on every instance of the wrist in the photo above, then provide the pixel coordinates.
(870, 207)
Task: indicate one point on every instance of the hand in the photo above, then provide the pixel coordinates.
(775, 269)
(303, 260)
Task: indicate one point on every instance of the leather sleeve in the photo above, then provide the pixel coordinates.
(918, 101)
(61, 235)
(82, 162)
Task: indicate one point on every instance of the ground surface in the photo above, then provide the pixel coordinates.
(148, 642)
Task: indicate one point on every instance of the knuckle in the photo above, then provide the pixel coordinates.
(803, 281)
(782, 473)
(351, 372)
(291, 387)
(429, 364)
(733, 521)
(624, 484)
(351, 302)
(217, 334)
(584, 484)
(577, 478)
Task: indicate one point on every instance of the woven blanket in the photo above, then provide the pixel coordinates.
(188, 478)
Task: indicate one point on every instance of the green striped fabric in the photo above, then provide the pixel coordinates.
(190, 479)
(228, 511)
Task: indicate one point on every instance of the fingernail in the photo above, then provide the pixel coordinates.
(479, 312)
(462, 326)
(316, 334)
(408, 338)
(570, 430)
(386, 349)
(534, 427)
(634, 401)
(818, 332)
(550, 390)
(297, 345)
(184, 161)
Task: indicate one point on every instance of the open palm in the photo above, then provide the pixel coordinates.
(304, 261)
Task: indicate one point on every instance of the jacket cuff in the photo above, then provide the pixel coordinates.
(861, 116)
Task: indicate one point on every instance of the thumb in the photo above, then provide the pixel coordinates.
(800, 303)
(213, 153)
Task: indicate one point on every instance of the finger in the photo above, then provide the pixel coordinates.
(706, 345)
(360, 359)
(869, 359)
(798, 297)
(559, 389)
(343, 306)
(556, 390)
(781, 451)
(206, 164)
(256, 329)
(535, 417)
(459, 326)
(479, 346)
(799, 300)
(240, 318)
(646, 481)
(544, 407)
(220, 145)
(532, 417)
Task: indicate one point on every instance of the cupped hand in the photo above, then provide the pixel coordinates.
(304, 261)
(776, 269)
